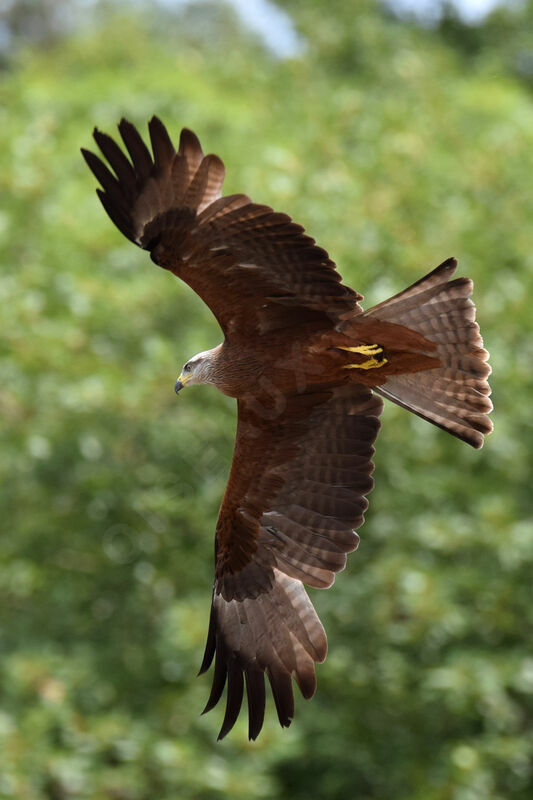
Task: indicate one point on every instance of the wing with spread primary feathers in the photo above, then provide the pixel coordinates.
(296, 492)
(247, 262)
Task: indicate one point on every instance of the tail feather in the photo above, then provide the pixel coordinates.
(453, 396)
(401, 301)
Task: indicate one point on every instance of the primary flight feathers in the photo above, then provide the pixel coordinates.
(304, 363)
(171, 204)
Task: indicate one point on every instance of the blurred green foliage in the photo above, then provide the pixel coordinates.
(396, 148)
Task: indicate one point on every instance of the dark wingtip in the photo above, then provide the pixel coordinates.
(234, 697)
(449, 265)
(125, 124)
(213, 700)
(162, 146)
(210, 645)
(475, 440)
(281, 685)
(223, 733)
(255, 691)
(188, 139)
(214, 697)
(219, 681)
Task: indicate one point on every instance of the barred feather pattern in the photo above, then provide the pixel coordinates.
(278, 633)
(299, 478)
(247, 262)
(317, 467)
(454, 396)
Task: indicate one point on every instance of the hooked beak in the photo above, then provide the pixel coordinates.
(180, 383)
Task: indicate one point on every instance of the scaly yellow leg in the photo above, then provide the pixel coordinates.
(366, 350)
(370, 364)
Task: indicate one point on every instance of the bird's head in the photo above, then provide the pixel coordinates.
(198, 369)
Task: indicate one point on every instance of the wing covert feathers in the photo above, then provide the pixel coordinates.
(300, 496)
(454, 396)
(299, 478)
(247, 262)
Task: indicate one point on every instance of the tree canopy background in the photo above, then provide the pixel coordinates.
(396, 146)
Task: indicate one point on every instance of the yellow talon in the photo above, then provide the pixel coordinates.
(364, 349)
(372, 363)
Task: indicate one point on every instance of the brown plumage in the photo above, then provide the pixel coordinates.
(304, 362)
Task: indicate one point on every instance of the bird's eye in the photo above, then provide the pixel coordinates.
(187, 368)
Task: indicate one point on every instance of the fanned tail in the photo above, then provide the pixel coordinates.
(455, 395)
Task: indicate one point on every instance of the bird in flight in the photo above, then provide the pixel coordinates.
(308, 368)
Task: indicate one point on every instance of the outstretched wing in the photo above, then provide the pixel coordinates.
(296, 491)
(247, 262)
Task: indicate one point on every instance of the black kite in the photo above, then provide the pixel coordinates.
(307, 366)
